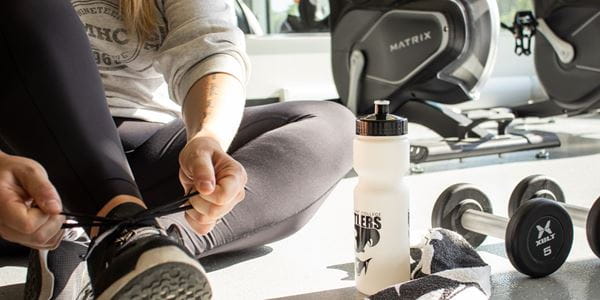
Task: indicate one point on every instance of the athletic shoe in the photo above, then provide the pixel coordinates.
(144, 263)
(58, 274)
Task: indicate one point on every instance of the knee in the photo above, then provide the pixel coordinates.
(332, 128)
(337, 120)
(333, 118)
(323, 108)
(320, 132)
(336, 112)
(322, 120)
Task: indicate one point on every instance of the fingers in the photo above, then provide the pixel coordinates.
(229, 186)
(231, 179)
(219, 179)
(22, 218)
(197, 226)
(46, 236)
(205, 214)
(186, 181)
(54, 242)
(30, 204)
(34, 180)
(200, 172)
(203, 174)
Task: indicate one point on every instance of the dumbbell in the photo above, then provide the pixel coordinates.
(540, 185)
(538, 237)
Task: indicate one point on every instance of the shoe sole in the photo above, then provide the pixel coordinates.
(162, 273)
(39, 282)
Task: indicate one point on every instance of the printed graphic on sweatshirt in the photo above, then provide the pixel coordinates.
(366, 226)
(113, 47)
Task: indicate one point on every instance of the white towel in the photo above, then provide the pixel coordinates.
(445, 267)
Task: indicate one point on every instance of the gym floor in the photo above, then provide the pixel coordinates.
(317, 262)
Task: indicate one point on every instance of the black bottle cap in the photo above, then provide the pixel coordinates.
(381, 123)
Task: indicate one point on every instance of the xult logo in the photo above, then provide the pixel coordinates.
(542, 231)
(410, 41)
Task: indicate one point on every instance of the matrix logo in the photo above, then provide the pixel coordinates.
(541, 231)
(410, 41)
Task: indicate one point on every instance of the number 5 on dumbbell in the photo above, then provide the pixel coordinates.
(542, 186)
(538, 237)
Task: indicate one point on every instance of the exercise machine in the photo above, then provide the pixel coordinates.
(423, 55)
(565, 54)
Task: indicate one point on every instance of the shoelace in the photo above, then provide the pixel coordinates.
(84, 220)
(120, 224)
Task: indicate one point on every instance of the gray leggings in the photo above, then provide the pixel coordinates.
(294, 153)
(53, 110)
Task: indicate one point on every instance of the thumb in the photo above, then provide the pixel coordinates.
(37, 185)
(203, 174)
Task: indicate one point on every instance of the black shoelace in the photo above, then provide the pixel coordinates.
(84, 220)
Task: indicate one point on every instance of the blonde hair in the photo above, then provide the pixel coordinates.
(139, 17)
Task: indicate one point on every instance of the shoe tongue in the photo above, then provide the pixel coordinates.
(119, 236)
(128, 210)
(125, 210)
(116, 239)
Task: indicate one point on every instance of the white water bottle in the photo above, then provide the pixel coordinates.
(381, 160)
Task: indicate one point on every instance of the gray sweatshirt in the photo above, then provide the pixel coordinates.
(196, 38)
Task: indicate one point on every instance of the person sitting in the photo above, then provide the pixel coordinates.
(83, 136)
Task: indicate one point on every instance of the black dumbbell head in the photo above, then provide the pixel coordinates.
(539, 237)
(592, 227)
(449, 207)
(532, 187)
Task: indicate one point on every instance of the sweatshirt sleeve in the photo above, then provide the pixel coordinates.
(202, 38)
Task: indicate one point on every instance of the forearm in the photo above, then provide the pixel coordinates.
(213, 108)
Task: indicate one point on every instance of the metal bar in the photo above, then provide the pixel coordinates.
(578, 214)
(437, 150)
(357, 66)
(268, 16)
(484, 223)
(564, 50)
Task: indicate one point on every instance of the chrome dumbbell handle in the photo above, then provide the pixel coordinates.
(484, 223)
(578, 214)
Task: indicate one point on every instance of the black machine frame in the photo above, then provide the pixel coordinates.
(461, 134)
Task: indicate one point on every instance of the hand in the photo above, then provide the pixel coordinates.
(30, 204)
(219, 179)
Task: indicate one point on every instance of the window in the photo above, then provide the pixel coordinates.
(508, 8)
(291, 16)
(301, 16)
